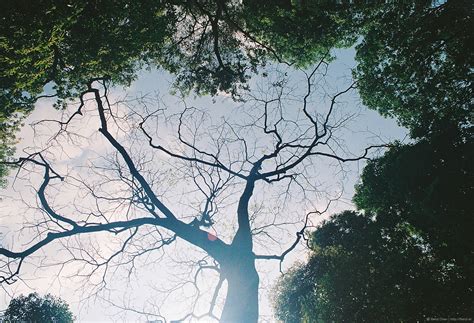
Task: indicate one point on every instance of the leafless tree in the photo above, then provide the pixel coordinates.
(224, 185)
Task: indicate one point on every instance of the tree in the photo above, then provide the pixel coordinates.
(407, 257)
(6, 152)
(248, 171)
(362, 271)
(51, 48)
(34, 308)
(219, 44)
(415, 64)
(211, 50)
(427, 184)
(217, 47)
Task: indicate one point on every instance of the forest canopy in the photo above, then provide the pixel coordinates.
(216, 45)
(410, 233)
(414, 57)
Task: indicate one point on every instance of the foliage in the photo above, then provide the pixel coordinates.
(428, 184)
(415, 63)
(63, 44)
(414, 57)
(411, 55)
(34, 308)
(70, 42)
(298, 303)
(408, 256)
(283, 27)
(6, 152)
(206, 43)
(363, 271)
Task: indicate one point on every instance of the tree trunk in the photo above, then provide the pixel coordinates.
(241, 303)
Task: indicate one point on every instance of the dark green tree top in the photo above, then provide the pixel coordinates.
(36, 309)
(211, 45)
(63, 44)
(362, 271)
(411, 55)
(414, 57)
(69, 42)
(415, 63)
(407, 255)
(428, 184)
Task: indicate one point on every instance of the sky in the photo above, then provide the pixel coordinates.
(140, 286)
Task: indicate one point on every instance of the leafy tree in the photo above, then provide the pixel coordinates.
(219, 43)
(407, 256)
(411, 241)
(429, 185)
(413, 56)
(415, 63)
(6, 152)
(68, 43)
(282, 26)
(411, 53)
(63, 44)
(362, 271)
(294, 298)
(204, 42)
(35, 309)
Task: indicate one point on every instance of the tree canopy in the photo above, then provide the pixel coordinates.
(408, 50)
(362, 271)
(406, 255)
(54, 48)
(205, 43)
(411, 54)
(414, 63)
(34, 308)
(428, 184)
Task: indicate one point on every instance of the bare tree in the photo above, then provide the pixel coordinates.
(224, 185)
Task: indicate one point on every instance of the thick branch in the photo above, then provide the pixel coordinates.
(128, 160)
(78, 230)
(185, 231)
(243, 237)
